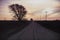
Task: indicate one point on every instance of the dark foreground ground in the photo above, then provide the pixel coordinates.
(9, 28)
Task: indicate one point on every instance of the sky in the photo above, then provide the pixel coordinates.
(35, 9)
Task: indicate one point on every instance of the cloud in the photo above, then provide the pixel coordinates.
(33, 7)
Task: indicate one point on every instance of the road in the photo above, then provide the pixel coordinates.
(35, 31)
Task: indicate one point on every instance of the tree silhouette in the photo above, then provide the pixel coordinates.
(18, 10)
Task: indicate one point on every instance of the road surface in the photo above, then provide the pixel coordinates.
(35, 31)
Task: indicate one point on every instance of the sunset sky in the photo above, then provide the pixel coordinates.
(35, 9)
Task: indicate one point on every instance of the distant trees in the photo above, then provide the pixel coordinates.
(18, 10)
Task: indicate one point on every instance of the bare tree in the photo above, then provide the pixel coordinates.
(18, 10)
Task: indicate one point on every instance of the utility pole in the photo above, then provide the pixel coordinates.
(46, 15)
(40, 17)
